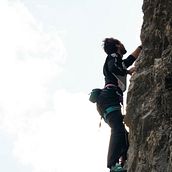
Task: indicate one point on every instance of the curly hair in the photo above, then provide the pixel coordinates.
(109, 45)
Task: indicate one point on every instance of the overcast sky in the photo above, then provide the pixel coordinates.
(50, 58)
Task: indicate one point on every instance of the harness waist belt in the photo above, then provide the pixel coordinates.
(110, 85)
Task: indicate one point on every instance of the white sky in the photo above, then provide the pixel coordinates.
(50, 59)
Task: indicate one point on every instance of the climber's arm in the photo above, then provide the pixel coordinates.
(132, 57)
(137, 51)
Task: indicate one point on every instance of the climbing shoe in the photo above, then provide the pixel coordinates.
(117, 168)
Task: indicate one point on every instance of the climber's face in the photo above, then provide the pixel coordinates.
(121, 49)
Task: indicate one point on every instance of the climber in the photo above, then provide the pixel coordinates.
(111, 97)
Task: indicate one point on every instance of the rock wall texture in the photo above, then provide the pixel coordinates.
(149, 100)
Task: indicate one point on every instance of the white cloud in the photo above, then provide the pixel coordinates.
(52, 130)
(29, 59)
(66, 138)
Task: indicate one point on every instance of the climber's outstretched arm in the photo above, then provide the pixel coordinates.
(137, 51)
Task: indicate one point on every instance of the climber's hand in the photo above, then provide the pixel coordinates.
(131, 70)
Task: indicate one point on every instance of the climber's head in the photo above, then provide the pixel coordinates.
(112, 45)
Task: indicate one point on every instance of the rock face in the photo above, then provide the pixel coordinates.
(149, 100)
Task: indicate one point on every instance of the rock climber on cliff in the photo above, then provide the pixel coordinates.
(110, 99)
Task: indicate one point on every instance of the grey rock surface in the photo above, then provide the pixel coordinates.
(149, 99)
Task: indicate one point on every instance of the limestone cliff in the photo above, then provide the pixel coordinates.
(149, 100)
